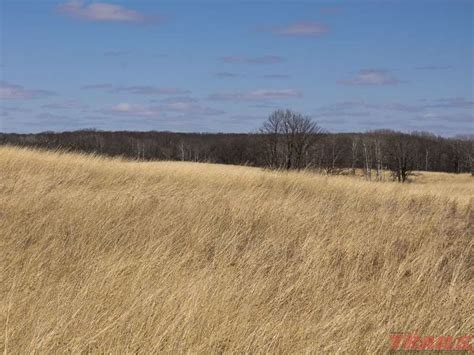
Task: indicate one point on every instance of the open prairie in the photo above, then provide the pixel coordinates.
(116, 256)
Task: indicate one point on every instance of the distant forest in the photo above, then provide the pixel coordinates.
(331, 152)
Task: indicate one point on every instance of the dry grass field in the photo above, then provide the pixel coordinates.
(105, 255)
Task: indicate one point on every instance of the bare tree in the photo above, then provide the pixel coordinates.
(272, 129)
(401, 152)
(332, 152)
(288, 136)
(426, 159)
(354, 148)
(182, 150)
(378, 158)
(367, 158)
(419, 150)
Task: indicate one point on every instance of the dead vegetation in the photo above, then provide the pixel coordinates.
(104, 255)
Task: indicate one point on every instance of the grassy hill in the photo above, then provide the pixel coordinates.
(107, 255)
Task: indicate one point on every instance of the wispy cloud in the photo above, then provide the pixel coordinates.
(466, 117)
(116, 53)
(66, 105)
(150, 90)
(127, 109)
(257, 95)
(227, 75)
(276, 76)
(347, 106)
(49, 117)
(301, 29)
(396, 106)
(181, 105)
(16, 109)
(457, 102)
(230, 75)
(6, 111)
(190, 106)
(248, 117)
(330, 10)
(170, 100)
(372, 77)
(101, 12)
(137, 89)
(434, 67)
(398, 115)
(97, 86)
(266, 59)
(13, 91)
(461, 117)
(343, 106)
(341, 114)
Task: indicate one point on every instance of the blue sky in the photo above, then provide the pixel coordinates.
(223, 66)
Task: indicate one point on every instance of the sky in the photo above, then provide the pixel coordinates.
(224, 66)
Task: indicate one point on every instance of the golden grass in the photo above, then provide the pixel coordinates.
(105, 255)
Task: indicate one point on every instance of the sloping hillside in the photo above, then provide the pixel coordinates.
(105, 255)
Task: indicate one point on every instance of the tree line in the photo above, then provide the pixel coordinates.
(286, 140)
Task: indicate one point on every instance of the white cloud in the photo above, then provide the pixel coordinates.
(191, 107)
(276, 76)
(330, 10)
(137, 89)
(122, 107)
(301, 29)
(434, 67)
(127, 109)
(372, 77)
(98, 86)
(12, 91)
(227, 75)
(266, 59)
(150, 90)
(66, 105)
(117, 53)
(456, 102)
(257, 95)
(177, 105)
(100, 11)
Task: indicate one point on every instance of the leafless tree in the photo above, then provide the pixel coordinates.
(272, 129)
(367, 158)
(289, 135)
(418, 150)
(354, 149)
(401, 153)
(378, 158)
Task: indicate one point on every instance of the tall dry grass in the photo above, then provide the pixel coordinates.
(102, 255)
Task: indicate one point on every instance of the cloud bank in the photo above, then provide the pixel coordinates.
(100, 12)
(372, 77)
(13, 91)
(266, 59)
(256, 95)
(301, 29)
(137, 89)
